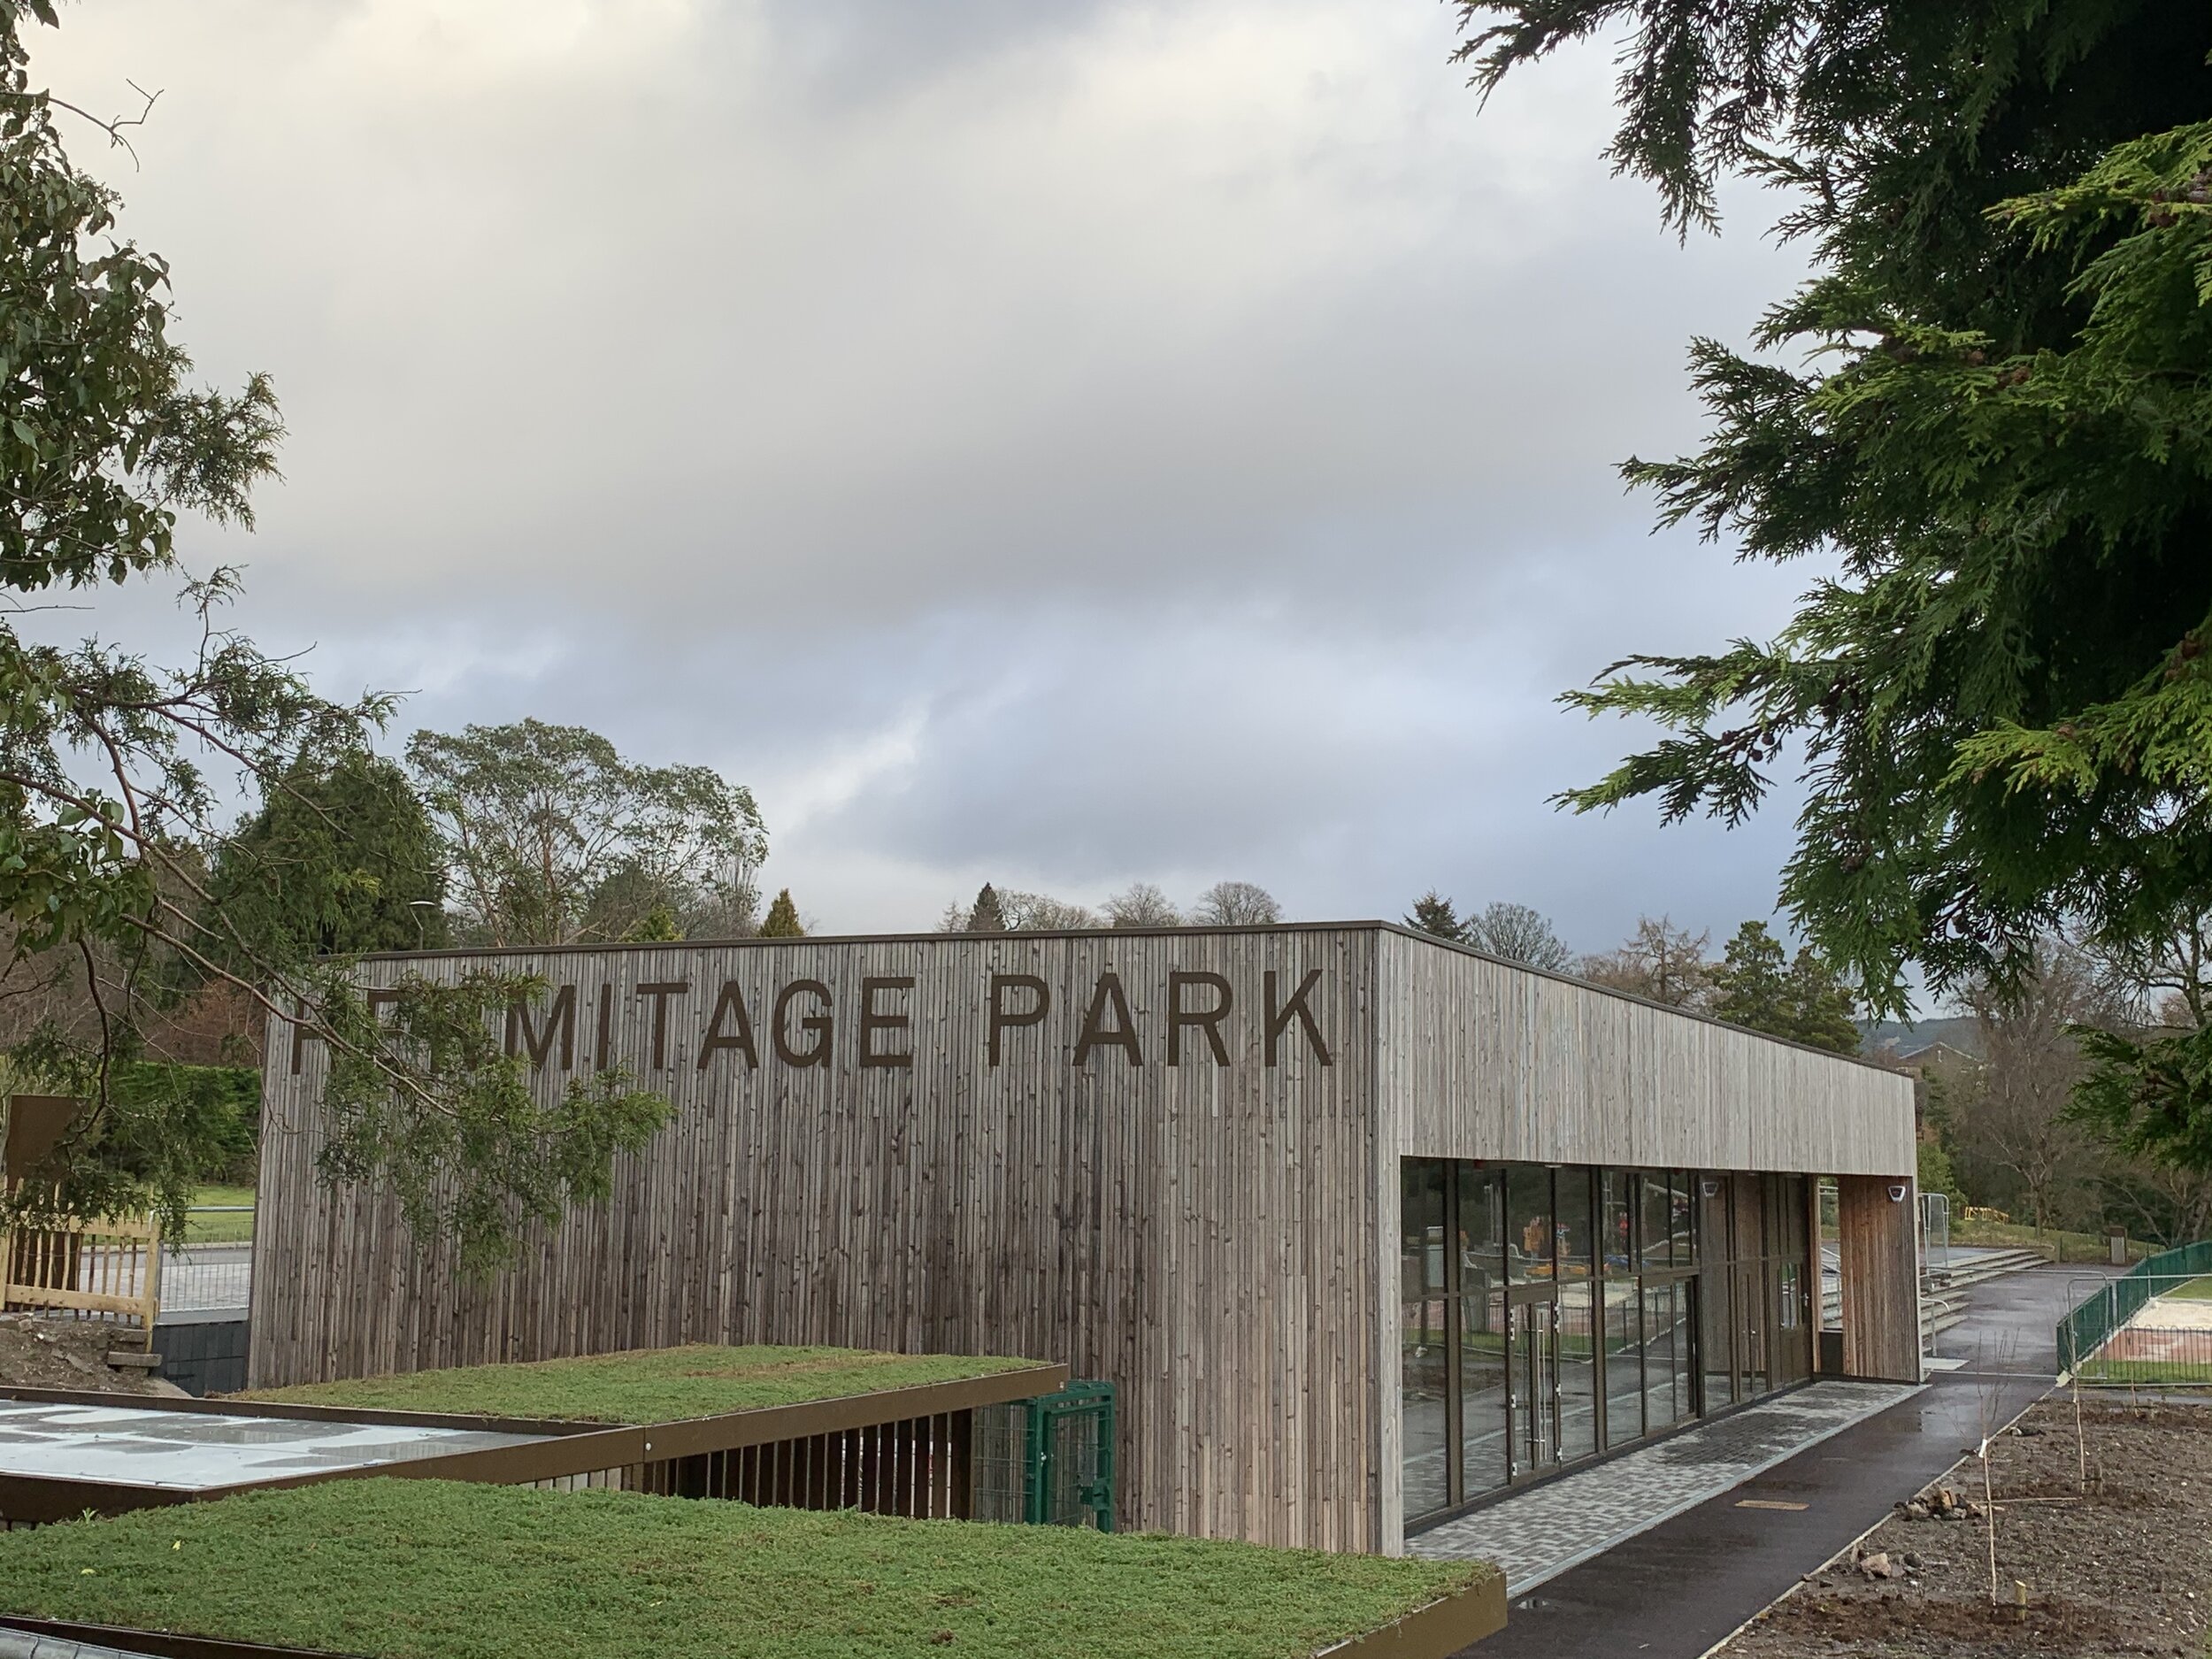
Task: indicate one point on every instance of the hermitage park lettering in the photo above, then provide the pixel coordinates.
(1199, 1018)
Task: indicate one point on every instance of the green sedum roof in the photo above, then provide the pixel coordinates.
(663, 1385)
(437, 1569)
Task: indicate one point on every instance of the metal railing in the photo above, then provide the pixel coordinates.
(1935, 1236)
(2150, 1326)
(208, 1274)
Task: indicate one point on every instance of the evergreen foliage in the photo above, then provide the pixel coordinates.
(553, 838)
(783, 918)
(2149, 1094)
(1433, 913)
(1757, 986)
(341, 859)
(986, 917)
(1936, 1175)
(423, 1097)
(206, 1117)
(2003, 698)
(656, 926)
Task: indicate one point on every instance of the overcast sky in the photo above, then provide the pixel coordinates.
(1064, 445)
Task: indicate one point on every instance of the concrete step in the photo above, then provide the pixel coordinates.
(1940, 1310)
(1980, 1270)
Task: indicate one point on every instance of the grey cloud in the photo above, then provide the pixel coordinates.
(1061, 444)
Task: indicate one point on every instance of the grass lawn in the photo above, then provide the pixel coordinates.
(649, 1386)
(225, 1229)
(2195, 1290)
(2148, 1373)
(2065, 1247)
(444, 1570)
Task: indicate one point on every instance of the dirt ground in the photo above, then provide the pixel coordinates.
(2122, 1567)
(37, 1352)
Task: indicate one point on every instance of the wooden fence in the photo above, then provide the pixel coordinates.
(109, 1267)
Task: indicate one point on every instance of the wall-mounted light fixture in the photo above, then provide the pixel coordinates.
(1709, 1187)
(1897, 1190)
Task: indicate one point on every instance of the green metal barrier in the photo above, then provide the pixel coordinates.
(2089, 1326)
(1049, 1461)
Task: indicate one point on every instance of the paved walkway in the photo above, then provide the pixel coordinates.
(1539, 1534)
(1674, 1590)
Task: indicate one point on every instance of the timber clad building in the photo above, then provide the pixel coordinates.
(1365, 1226)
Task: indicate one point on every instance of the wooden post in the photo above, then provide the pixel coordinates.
(1813, 1280)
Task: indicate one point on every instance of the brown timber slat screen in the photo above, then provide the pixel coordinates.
(916, 1467)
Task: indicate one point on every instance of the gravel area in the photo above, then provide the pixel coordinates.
(2119, 1563)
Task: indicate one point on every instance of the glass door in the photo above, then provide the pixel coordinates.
(1424, 1362)
(1533, 1373)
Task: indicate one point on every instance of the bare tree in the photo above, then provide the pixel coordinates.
(1236, 904)
(2010, 1111)
(2161, 980)
(2158, 1202)
(1519, 935)
(1661, 961)
(1041, 912)
(1140, 904)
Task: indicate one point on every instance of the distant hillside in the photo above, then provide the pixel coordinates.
(1958, 1032)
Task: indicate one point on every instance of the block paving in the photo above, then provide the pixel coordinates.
(1538, 1535)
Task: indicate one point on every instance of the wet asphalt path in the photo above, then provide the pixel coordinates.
(1675, 1590)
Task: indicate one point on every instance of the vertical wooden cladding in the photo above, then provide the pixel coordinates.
(1201, 1233)
(1484, 1060)
(1878, 1255)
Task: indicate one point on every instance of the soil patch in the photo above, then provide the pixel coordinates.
(2121, 1564)
(38, 1352)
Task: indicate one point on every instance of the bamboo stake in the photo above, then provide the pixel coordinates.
(2081, 1446)
(1989, 1515)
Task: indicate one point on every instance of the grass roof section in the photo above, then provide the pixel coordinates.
(664, 1384)
(447, 1570)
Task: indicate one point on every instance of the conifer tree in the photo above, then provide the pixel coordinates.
(986, 917)
(1759, 986)
(783, 918)
(1987, 415)
(1433, 913)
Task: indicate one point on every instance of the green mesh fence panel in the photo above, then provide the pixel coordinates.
(2085, 1331)
(1049, 1461)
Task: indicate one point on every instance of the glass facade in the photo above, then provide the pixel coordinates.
(1424, 1364)
(1482, 1323)
(1549, 1312)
